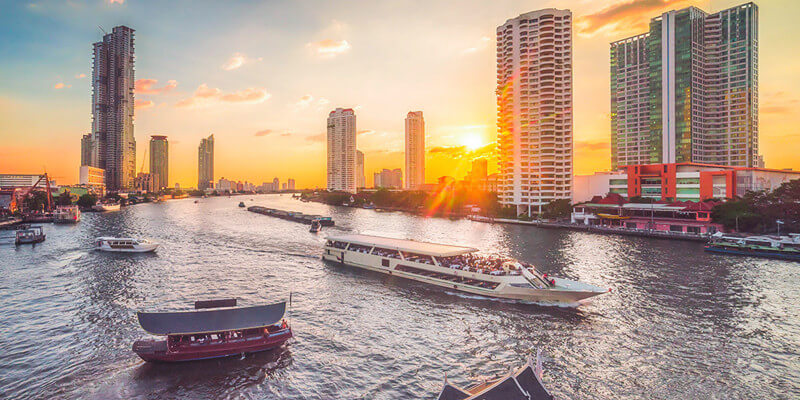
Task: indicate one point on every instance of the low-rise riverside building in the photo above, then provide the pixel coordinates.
(680, 182)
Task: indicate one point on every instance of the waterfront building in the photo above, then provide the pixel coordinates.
(224, 185)
(361, 179)
(687, 90)
(276, 184)
(86, 149)
(415, 149)
(205, 164)
(534, 103)
(388, 178)
(10, 181)
(681, 182)
(291, 184)
(92, 178)
(159, 162)
(341, 149)
(143, 182)
(113, 143)
(675, 218)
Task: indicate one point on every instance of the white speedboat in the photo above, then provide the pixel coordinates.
(106, 207)
(124, 245)
(455, 267)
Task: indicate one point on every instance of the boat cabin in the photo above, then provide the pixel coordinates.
(118, 243)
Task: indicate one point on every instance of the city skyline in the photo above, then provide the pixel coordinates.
(456, 95)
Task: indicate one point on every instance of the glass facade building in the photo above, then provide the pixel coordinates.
(687, 90)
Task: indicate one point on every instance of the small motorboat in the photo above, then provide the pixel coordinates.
(106, 207)
(195, 202)
(124, 245)
(316, 226)
(200, 335)
(241, 204)
(29, 235)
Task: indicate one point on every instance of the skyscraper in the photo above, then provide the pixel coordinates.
(205, 164)
(159, 162)
(361, 180)
(388, 178)
(86, 149)
(415, 149)
(342, 150)
(114, 147)
(290, 184)
(687, 90)
(534, 102)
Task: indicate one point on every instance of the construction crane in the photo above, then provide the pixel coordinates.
(28, 191)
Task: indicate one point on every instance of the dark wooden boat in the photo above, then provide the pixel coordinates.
(523, 384)
(199, 335)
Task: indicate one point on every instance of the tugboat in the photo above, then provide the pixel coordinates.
(67, 214)
(316, 226)
(200, 335)
(29, 235)
(241, 204)
(522, 384)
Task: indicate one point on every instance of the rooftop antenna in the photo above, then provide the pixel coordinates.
(104, 31)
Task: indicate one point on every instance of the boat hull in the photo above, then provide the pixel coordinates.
(753, 253)
(156, 351)
(30, 241)
(447, 279)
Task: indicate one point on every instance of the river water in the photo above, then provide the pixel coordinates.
(678, 324)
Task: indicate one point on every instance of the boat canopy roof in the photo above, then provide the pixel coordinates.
(522, 384)
(412, 246)
(193, 322)
(116, 238)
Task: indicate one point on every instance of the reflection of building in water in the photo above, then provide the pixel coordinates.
(680, 182)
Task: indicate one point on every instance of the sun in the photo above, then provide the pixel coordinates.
(472, 142)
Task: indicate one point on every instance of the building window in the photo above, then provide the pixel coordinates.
(676, 228)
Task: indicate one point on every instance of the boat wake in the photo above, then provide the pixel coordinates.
(513, 301)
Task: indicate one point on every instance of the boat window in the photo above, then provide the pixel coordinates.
(383, 252)
(340, 245)
(385, 262)
(420, 258)
(359, 248)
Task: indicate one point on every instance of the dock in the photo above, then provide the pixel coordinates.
(291, 215)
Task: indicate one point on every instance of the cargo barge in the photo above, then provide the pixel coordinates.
(291, 215)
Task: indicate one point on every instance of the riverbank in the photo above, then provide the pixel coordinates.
(595, 229)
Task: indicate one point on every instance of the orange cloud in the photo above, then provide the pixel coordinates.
(483, 43)
(205, 95)
(329, 47)
(147, 86)
(59, 85)
(264, 132)
(80, 76)
(458, 152)
(591, 146)
(779, 103)
(143, 104)
(317, 138)
(625, 18)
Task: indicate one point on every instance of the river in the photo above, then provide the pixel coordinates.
(679, 323)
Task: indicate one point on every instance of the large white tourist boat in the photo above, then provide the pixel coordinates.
(124, 245)
(455, 267)
(106, 207)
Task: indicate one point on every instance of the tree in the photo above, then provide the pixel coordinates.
(555, 209)
(36, 201)
(87, 200)
(64, 199)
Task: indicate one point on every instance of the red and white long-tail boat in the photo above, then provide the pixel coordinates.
(199, 335)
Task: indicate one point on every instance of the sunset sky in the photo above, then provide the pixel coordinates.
(263, 75)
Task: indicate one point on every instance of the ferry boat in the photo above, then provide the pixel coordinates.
(199, 335)
(29, 235)
(779, 247)
(67, 214)
(124, 245)
(455, 267)
(525, 383)
(106, 207)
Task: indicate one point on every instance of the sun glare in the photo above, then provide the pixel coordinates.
(472, 142)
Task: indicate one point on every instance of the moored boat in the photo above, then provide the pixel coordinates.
(199, 335)
(316, 226)
(106, 207)
(523, 384)
(124, 245)
(67, 214)
(241, 204)
(29, 235)
(456, 267)
(778, 247)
